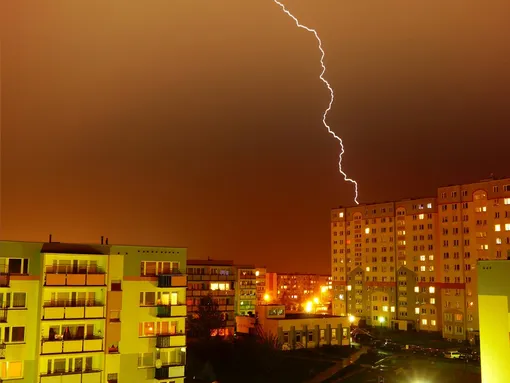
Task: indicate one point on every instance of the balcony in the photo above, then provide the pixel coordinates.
(3, 315)
(74, 276)
(167, 311)
(5, 279)
(86, 376)
(66, 346)
(170, 340)
(170, 371)
(172, 280)
(73, 310)
(2, 350)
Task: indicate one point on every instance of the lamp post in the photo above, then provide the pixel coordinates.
(381, 321)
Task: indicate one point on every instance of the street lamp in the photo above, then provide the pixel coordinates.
(267, 298)
(309, 307)
(382, 320)
(351, 319)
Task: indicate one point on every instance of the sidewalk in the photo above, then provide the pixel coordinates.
(337, 367)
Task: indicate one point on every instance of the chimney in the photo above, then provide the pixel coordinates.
(106, 240)
(50, 238)
(102, 240)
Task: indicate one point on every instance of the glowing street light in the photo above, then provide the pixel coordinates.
(382, 320)
(309, 307)
(267, 298)
(351, 319)
(316, 300)
(324, 289)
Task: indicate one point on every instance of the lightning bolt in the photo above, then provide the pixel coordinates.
(332, 97)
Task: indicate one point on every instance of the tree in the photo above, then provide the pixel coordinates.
(207, 319)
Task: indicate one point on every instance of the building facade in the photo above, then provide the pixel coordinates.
(296, 331)
(415, 260)
(246, 293)
(217, 278)
(260, 280)
(92, 313)
(272, 287)
(494, 319)
(295, 289)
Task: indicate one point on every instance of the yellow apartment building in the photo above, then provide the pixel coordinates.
(217, 278)
(494, 319)
(92, 313)
(412, 263)
(246, 292)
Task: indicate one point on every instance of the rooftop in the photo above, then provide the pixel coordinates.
(308, 316)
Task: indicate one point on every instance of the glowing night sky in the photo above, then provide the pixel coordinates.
(198, 123)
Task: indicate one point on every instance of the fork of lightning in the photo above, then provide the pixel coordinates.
(332, 97)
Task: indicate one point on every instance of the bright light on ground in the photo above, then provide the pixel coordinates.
(309, 307)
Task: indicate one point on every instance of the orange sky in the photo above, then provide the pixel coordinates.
(198, 123)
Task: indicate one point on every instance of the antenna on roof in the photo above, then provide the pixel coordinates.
(50, 239)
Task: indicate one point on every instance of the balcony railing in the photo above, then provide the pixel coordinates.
(3, 315)
(172, 370)
(172, 280)
(74, 276)
(79, 309)
(5, 278)
(87, 375)
(72, 345)
(2, 350)
(166, 311)
(170, 340)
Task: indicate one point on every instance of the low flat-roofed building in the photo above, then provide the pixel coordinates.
(296, 330)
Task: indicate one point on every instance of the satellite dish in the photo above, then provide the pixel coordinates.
(159, 363)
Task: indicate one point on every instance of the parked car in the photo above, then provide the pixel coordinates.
(452, 354)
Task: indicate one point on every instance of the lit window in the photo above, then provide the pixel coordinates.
(497, 227)
(484, 208)
(432, 289)
(506, 201)
(424, 322)
(431, 257)
(507, 226)
(421, 216)
(433, 322)
(417, 310)
(429, 206)
(214, 286)
(432, 301)
(498, 241)
(486, 247)
(367, 230)
(392, 309)
(385, 308)
(341, 215)
(431, 268)
(11, 370)
(349, 287)
(367, 269)
(422, 258)
(416, 289)
(422, 268)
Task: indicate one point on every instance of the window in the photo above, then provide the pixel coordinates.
(146, 329)
(497, 227)
(432, 289)
(416, 289)
(16, 265)
(432, 301)
(18, 334)
(433, 322)
(153, 268)
(424, 322)
(11, 370)
(417, 310)
(148, 298)
(333, 333)
(145, 360)
(19, 300)
(506, 201)
(507, 226)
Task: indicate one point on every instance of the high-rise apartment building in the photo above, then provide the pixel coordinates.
(246, 293)
(260, 280)
(92, 313)
(412, 263)
(217, 278)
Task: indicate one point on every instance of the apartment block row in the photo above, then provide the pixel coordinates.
(92, 313)
(413, 263)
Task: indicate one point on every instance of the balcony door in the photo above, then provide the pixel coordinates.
(173, 300)
(165, 299)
